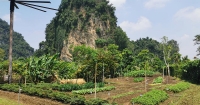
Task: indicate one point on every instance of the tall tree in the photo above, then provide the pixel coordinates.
(145, 58)
(147, 43)
(174, 46)
(197, 42)
(166, 53)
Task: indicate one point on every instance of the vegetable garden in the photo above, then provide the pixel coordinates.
(108, 79)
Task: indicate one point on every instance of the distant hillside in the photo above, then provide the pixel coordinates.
(20, 47)
(89, 22)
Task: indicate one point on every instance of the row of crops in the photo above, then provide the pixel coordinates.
(61, 92)
(154, 97)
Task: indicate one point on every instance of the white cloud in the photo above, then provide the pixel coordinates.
(184, 37)
(142, 24)
(7, 18)
(186, 41)
(190, 13)
(117, 3)
(155, 3)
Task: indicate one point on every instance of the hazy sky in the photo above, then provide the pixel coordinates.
(176, 19)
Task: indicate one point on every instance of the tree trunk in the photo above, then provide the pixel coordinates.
(168, 72)
(163, 74)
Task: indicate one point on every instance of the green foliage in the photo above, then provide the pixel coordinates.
(20, 47)
(101, 42)
(191, 71)
(66, 70)
(148, 43)
(122, 95)
(120, 38)
(181, 86)
(197, 42)
(41, 69)
(35, 90)
(158, 80)
(97, 101)
(2, 54)
(70, 87)
(90, 91)
(153, 97)
(98, 31)
(139, 73)
(4, 67)
(77, 100)
(138, 79)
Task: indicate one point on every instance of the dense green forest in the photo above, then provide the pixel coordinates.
(20, 47)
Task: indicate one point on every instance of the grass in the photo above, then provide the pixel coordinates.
(190, 96)
(5, 101)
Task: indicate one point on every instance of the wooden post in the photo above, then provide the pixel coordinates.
(95, 80)
(11, 40)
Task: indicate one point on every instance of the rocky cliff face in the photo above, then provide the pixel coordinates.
(87, 36)
(79, 22)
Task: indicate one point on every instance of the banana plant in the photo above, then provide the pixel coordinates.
(42, 68)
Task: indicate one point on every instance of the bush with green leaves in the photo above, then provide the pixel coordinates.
(158, 80)
(97, 101)
(153, 97)
(55, 95)
(181, 86)
(139, 73)
(138, 79)
(122, 95)
(90, 91)
(70, 87)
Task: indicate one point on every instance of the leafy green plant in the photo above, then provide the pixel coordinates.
(70, 87)
(36, 91)
(96, 102)
(181, 86)
(122, 95)
(138, 79)
(90, 91)
(153, 97)
(139, 73)
(158, 80)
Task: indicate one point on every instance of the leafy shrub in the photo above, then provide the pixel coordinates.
(70, 87)
(35, 91)
(138, 79)
(96, 102)
(153, 97)
(139, 73)
(89, 91)
(181, 86)
(122, 95)
(77, 100)
(158, 80)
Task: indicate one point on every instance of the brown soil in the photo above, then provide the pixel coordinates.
(27, 100)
